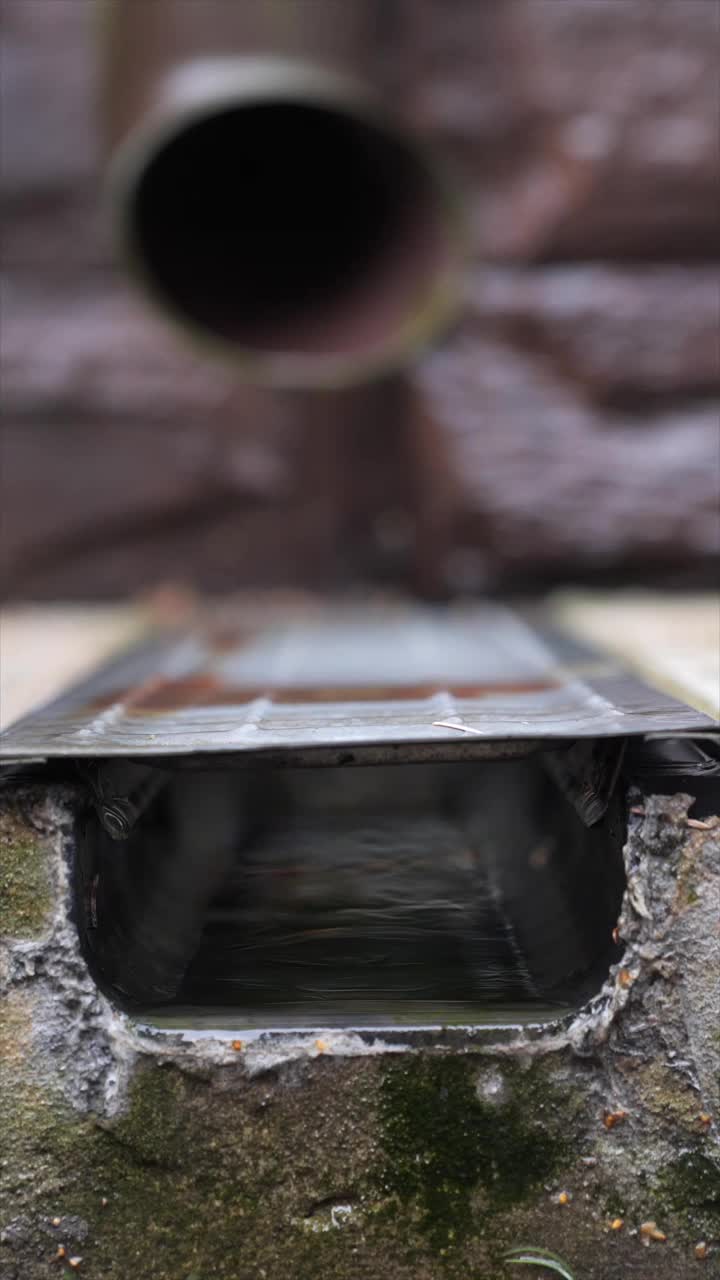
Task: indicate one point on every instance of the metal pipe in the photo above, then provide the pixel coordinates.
(264, 199)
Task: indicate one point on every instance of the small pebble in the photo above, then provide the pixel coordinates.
(650, 1231)
(701, 1251)
(564, 1198)
(617, 1224)
(611, 1118)
(56, 1222)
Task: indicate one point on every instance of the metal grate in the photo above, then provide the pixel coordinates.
(345, 682)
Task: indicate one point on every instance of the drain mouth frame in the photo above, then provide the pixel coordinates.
(458, 894)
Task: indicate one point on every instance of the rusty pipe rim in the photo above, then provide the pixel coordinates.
(203, 94)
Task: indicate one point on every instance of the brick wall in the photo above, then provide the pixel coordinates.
(568, 427)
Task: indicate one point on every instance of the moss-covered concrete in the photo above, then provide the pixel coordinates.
(217, 1178)
(350, 1169)
(447, 1148)
(690, 1186)
(669, 1096)
(25, 885)
(163, 1160)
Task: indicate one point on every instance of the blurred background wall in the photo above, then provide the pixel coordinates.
(566, 430)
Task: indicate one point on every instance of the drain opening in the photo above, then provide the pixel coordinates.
(414, 894)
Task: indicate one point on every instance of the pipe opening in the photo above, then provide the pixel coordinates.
(382, 895)
(291, 228)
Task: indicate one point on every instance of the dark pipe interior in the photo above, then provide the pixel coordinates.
(385, 894)
(289, 227)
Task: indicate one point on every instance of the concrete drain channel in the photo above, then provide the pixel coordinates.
(423, 895)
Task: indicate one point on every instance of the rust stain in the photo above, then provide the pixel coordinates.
(161, 694)
(102, 702)
(178, 695)
(403, 692)
(227, 636)
(204, 690)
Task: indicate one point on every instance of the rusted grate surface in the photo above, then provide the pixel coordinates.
(467, 680)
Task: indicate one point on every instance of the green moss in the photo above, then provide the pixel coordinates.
(690, 1187)
(225, 1175)
(25, 896)
(614, 1203)
(214, 1177)
(219, 1176)
(43, 1146)
(181, 1178)
(444, 1145)
(663, 1095)
(153, 1129)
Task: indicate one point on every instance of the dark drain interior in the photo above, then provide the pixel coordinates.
(416, 894)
